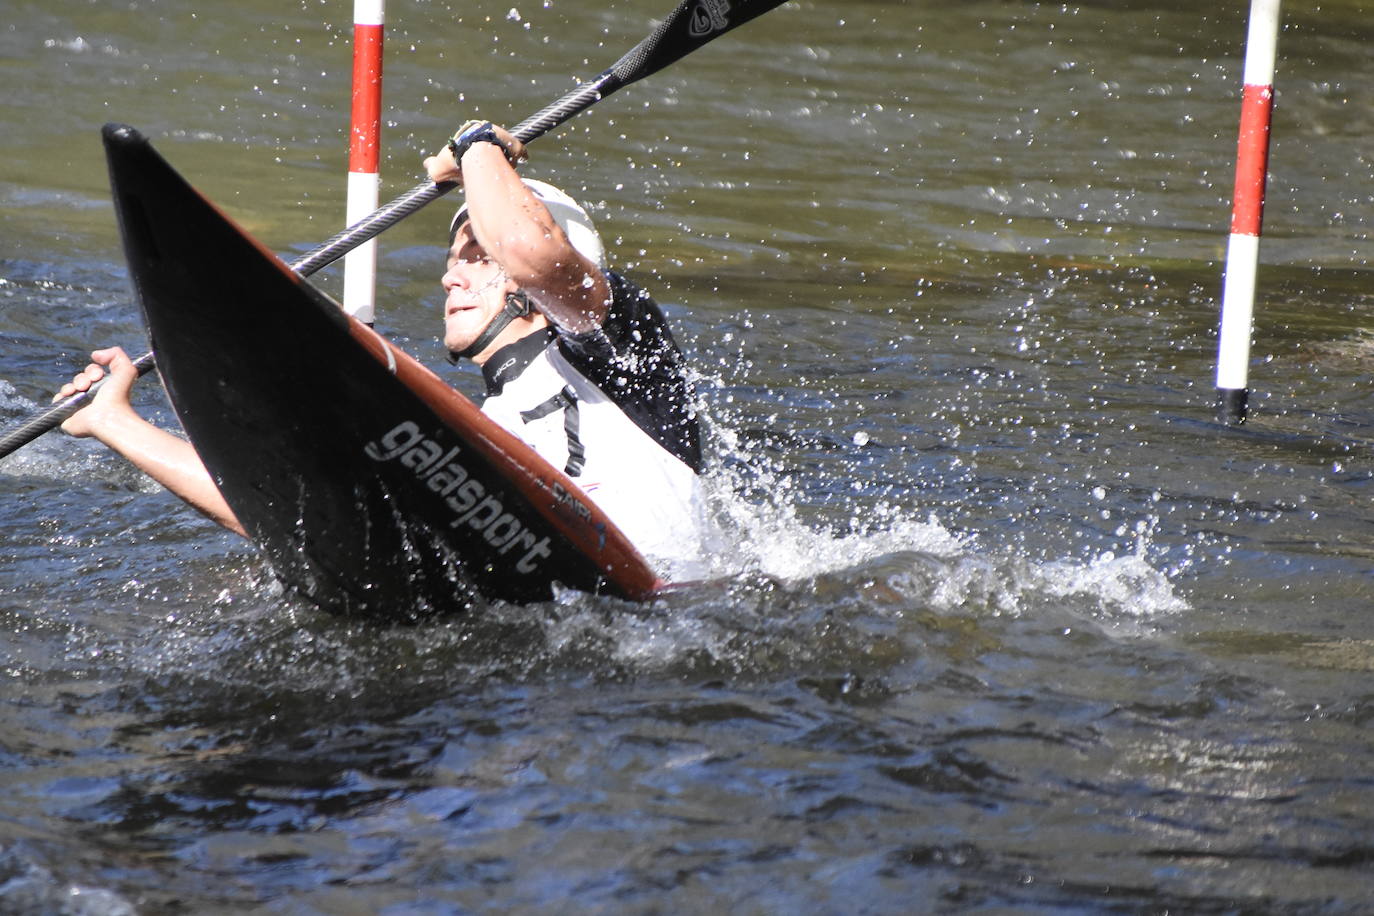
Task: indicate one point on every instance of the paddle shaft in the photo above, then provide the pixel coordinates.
(692, 24)
(424, 193)
(54, 416)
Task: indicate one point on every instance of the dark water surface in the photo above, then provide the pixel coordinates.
(1011, 624)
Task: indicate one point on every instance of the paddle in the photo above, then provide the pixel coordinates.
(692, 24)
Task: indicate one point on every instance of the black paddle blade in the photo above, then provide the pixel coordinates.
(691, 25)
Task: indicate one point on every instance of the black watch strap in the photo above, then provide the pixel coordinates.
(479, 132)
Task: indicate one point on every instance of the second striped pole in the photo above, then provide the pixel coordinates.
(1247, 212)
(364, 153)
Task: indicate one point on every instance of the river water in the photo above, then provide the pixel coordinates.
(1008, 622)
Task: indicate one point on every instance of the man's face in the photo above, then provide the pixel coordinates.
(475, 289)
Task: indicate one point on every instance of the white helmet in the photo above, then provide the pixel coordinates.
(566, 212)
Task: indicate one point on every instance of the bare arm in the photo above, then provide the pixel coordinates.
(111, 419)
(518, 231)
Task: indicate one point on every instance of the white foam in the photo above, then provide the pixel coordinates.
(26, 887)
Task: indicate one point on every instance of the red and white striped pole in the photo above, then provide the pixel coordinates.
(364, 181)
(1247, 212)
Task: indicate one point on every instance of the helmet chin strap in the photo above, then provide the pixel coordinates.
(517, 305)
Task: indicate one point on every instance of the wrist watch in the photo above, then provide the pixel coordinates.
(475, 132)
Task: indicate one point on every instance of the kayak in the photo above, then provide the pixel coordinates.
(371, 485)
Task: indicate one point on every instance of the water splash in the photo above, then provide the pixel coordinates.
(790, 590)
(26, 887)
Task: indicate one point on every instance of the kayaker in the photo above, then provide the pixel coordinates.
(578, 362)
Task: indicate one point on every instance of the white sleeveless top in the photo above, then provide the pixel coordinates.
(616, 450)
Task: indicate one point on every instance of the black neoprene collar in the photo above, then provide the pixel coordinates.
(512, 359)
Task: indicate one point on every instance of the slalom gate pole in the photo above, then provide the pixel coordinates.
(1247, 212)
(364, 148)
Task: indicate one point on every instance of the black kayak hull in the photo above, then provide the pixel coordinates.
(372, 486)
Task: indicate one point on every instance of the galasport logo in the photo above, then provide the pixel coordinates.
(709, 16)
(450, 481)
